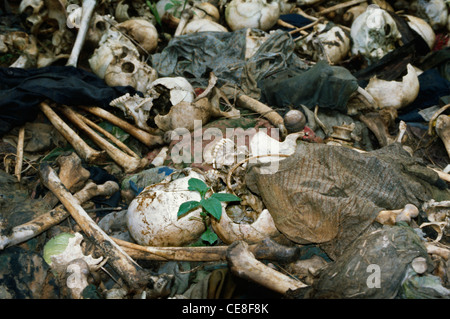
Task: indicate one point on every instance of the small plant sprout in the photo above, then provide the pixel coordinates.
(211, 206)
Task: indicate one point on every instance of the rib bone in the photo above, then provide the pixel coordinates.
(129, 163)
(83, 150)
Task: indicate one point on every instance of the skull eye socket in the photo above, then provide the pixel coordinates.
(28, 11)
(128, 67)
(387, 29)
(124, 52)
(100, 25)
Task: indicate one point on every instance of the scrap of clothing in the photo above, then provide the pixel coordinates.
(21, 91)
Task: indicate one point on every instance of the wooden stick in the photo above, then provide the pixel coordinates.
(135, 276)
(301, 29)
(19, 158)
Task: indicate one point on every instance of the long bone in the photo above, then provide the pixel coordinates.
(129, 163)
(266, 249)
(88, 7)
(135, 276)
(38, 225)
(141, 135)
(86, 152)
(267, 112)
(244, 264)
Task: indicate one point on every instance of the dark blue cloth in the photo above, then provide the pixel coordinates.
(432, 87)
(21, 91)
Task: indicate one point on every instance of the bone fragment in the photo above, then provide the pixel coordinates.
(185, 17)
(437, 250)
(419, 264)
(229, 231)
(442, 175)
(391, 217)
(141, 135)
(88, 7)
(375, 124)
(129, 163)
(83, 150)
(123, 264)
(244, 264)
(434, 117)
(19, 158)
(443, 130)
(71, 173)
(24, 232)
(267, 112)
(266, 249)
(402, 131)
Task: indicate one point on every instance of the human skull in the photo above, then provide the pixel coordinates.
(203, 25)
(374, 33)
(184, 111)
(35, 10)
(116, 60)
(330, 43)
(178, 87)
(128, 9)
(258, 14)
(205, 10)
(152, 216)
(99, 25)
(422, 28)
(142, 31)
(25, 43)
(65, 256)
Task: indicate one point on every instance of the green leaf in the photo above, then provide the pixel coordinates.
(209, 236)
(212, 206)
(224, 197)
(187, 206)
(198, 185)
(169, 6)
(154, 12)
(56, 152)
